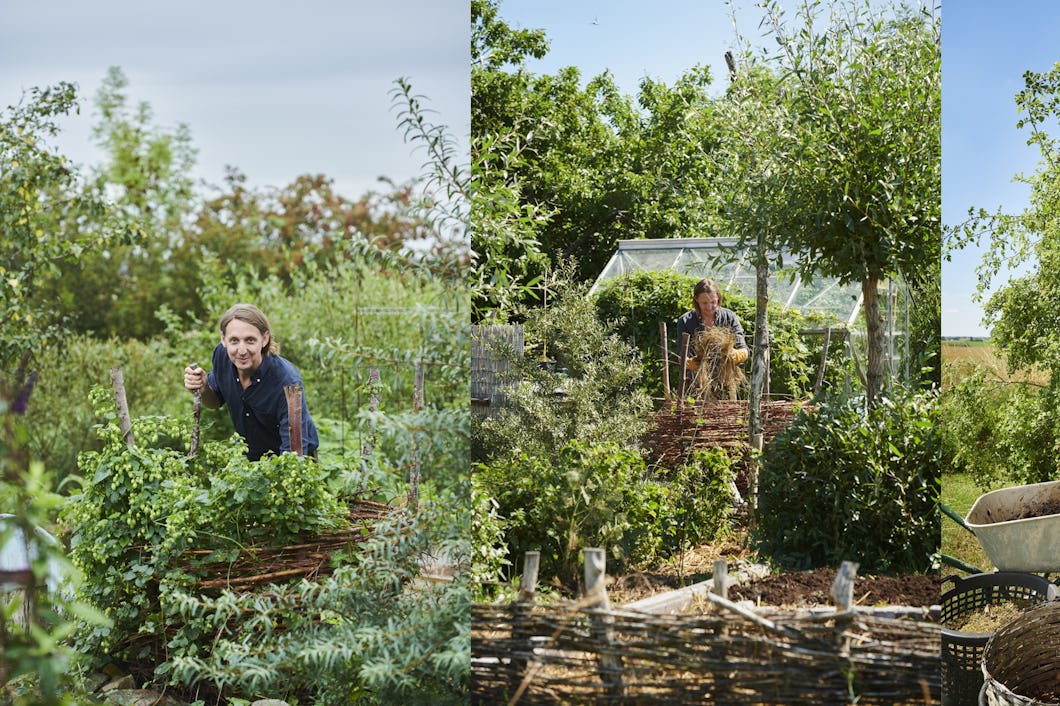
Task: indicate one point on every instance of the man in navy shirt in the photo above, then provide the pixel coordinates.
(249, 375)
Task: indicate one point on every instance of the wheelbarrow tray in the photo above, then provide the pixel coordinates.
(1031, 544)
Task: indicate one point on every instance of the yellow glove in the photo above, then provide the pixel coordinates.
(738, 355)
(692, 364)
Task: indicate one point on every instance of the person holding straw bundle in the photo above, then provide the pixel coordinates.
(717, 344)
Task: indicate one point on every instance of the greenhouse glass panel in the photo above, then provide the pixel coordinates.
(719, 259)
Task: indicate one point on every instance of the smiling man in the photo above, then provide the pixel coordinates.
(249, 376)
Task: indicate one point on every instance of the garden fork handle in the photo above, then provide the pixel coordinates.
(196, 409)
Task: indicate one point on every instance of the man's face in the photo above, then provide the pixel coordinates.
(244, 344)
(706, 305)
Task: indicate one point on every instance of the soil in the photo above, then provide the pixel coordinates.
(812, 588)
(802, 589)
(1049, 507)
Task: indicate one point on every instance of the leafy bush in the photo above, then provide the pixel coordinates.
(489, 553)
(577, 382)
(602, 495)
(637, 302)
(370, 633)
(840, 484)
(142, 507)
(999, 430)
(701, 499)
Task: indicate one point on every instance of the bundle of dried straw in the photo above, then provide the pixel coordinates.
(718, 377)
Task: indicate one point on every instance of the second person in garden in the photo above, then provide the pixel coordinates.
(248, 374)
(717, 345)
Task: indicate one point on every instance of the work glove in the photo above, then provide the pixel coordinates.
(738, 355)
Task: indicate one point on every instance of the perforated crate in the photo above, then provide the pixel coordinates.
(962, 652)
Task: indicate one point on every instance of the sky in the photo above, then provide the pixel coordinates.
(987, 46)
(272, 88)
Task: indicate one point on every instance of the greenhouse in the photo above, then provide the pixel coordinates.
(722, 260)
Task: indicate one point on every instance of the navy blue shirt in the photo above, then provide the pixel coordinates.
(691, 324)
(259, 413)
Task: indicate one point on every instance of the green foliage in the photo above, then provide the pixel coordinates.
(489, 549)
(845, 484)
(999, 431)
(41, 218)
(568, 166)
(640, 300)
(369, 634)
(588, 495)
(699, 501)
(577, 381)
(601, 495)
(142, 507)
(34, 647)
(848, 161)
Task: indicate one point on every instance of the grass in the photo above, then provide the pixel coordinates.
(959, 356)
(959, 493)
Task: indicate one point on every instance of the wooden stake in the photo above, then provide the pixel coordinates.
(665, 359)
(524, 605)
(602, 623)
(293, 393)
(414, 472)
(843, 586)
(528, 582)
(684, 370)
(117, 381)
(721, 578)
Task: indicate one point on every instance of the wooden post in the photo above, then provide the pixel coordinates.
(824, 360)
(602, 623)
(521, 634)
(665, 359)
(843, 594)
(414, 472)
(684, 366)
(117, 381)
(843, 586)
(528, 581)
(757, 443)
(196, 414)
(293, 393)
(721, 578)
(368, 446)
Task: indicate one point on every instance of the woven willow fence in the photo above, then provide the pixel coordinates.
(587, 653)
(687, 659)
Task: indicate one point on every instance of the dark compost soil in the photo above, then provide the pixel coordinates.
(811, 588)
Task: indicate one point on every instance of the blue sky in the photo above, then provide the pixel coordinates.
(987, 46)
(273, 88)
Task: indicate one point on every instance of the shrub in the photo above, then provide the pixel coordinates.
(585, 496)
(141, 508)
(577, 382)
(840, 484)
(602, 495)
(489, 549)
(637, 302)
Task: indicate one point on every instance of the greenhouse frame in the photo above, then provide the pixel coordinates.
(722, 259)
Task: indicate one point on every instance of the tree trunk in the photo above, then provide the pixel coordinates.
(874, 374)
(760, 361)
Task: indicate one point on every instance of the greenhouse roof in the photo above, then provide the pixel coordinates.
(719, 259)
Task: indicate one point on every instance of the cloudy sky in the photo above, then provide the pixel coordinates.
(275, 89)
